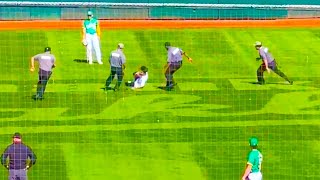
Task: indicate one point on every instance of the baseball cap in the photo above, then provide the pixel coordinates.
(257, 43)
(167, 44)
(17, 135)
(90, 13)
(46, 49)
(253, 141)
(121, 45)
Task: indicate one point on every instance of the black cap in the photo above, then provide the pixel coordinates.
(167, 44)
(144, 69)
(17, 135)
(46, 49)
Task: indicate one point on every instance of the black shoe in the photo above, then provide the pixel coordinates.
(37, 98)
(171, 85)
(169, 88)
(107, 88)
(259, 83)
(129, 83)
(291, 82)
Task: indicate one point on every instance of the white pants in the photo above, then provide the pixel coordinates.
(140, 82)
(93, 44)
(255, 176)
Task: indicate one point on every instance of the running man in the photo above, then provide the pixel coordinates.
(174, 62)
(18, 155)
(268, 62)
(46, 64)
(117, 62)
(91, 37)
(254, 161)
(140, 78)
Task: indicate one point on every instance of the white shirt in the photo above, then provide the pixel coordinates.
(141, 82)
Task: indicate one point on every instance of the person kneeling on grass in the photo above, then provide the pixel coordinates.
(140, 78)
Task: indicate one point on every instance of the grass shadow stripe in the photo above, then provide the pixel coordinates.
(159, 125)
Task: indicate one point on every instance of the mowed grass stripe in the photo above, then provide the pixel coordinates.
(178, 105)
(159, 125)
(238, 84)
(153, 163)
(244, 55)
(8, 88)
(98, 87)
(16, 50)
(149, 87)
(51, 161)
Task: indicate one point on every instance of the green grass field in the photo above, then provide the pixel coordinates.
(198, 131)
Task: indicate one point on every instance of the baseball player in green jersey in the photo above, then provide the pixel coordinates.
(253, 167)
(91, 37)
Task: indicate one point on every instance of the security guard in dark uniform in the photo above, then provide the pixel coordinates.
(18, 155)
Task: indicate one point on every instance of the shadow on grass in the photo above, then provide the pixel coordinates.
(165, 88)
(274, 83)
(252, 82)
(80, 60)
(281, 83)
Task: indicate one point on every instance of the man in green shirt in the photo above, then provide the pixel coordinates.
(253, 168)
(91, 37)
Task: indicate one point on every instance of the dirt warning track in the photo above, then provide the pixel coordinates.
(157, 24)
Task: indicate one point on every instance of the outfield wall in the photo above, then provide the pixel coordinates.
(56, 13)
(309, 2)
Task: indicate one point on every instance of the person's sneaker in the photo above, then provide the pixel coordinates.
(291, 82)
(129, 83)
(100, 62)
(90, 62)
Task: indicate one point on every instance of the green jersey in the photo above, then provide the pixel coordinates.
(255, 159)
(90, 25)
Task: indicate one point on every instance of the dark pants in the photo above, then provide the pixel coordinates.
(171, 69)
(273, 66)
(44, 77)
(115, 71)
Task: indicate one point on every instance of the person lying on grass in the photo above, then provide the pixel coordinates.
(140, 78)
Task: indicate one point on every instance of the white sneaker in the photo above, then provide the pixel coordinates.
(90, 62)
(100, 62)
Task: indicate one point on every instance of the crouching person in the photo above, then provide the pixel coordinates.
(140, 78)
